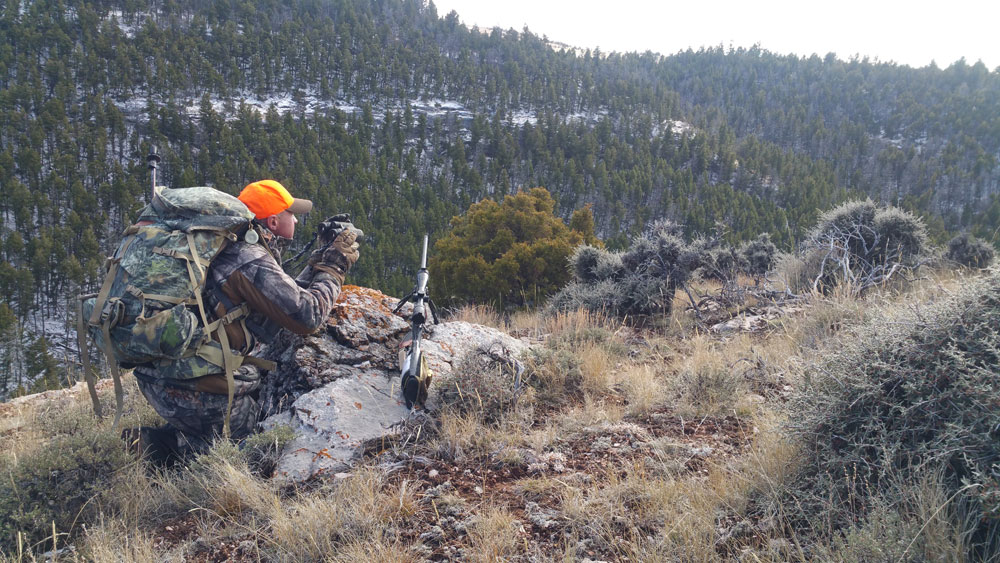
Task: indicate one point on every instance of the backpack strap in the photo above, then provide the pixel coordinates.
(99, 318)
(116, 375)
(224, 355)
(109, 279)
(230, 364)
(81, 337)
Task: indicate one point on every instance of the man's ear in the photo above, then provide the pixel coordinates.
(271, 222)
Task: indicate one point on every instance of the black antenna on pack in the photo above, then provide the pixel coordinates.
(152, 161)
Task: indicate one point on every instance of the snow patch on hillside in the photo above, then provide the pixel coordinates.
(309, 102)
(118, 17)
(677, 127)
(521, 117)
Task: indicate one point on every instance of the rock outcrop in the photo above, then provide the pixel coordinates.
(339, 389)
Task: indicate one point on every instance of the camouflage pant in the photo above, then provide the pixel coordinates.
(198, 416)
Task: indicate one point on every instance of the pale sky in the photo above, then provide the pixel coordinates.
(908, 32)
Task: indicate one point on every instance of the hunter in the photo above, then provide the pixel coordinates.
(249, 272)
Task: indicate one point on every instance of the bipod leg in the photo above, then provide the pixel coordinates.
(434, 311)
(402, 302)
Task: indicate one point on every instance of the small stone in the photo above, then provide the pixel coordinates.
(478, 489)
(341, 475)
(433, 473)
(439, 490)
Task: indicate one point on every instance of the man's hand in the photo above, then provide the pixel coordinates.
(333, 226)
(337, 257)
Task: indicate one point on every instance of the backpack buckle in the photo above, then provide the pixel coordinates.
(113, 312)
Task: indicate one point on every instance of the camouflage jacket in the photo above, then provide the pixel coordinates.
(251, 274)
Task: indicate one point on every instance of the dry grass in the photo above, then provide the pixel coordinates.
(114, 541)
(463, 435)
(640, 517)
(595, 366)
(350, 512)
(707, 382)
(384, 552)
(458, 434)
(643, 388)
(921, 523)
(484, 315)
(540, 439)
(589, 414)
(567, 323)
(494, 535)
(27, 424)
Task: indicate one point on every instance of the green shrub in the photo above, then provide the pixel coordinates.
(759, 255)
(57, 484)
(970, 251)
(592, 265)
(862, 245)
(903, 396)
(722, 263)
(507, 254)
(603, 297)
(639, 282)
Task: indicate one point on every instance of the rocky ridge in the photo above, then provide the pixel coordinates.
(338, 389)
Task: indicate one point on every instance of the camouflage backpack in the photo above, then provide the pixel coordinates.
(150, 309)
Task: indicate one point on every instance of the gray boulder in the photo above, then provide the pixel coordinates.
(339, 389)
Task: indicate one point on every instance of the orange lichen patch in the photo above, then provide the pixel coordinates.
(357, 303)
(366, 291)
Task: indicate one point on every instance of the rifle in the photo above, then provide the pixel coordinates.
(414, 373)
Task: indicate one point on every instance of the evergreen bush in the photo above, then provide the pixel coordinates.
(641, 281)
(862, 245)
(722, 263)
(908, 394)
(759, 255)
(970, 251)
(584, 261)
(638, 282)
(507, 254)
(603, 297)
(56, 485)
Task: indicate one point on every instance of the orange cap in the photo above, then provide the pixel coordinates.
(268, 197)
